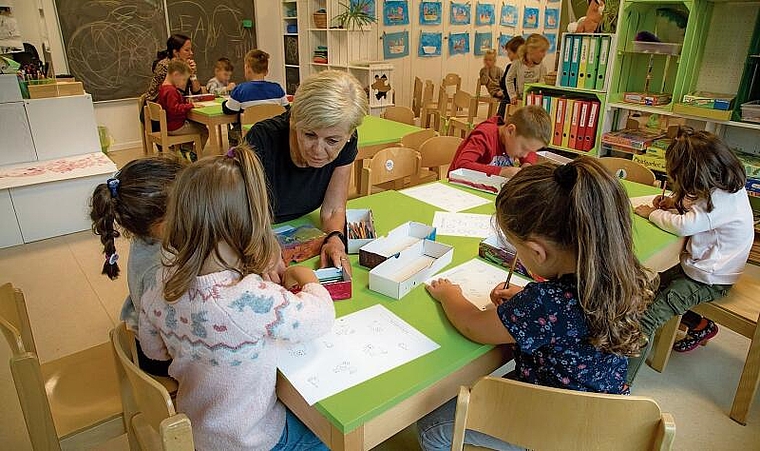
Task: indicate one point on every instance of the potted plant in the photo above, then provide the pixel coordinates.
(355, 15)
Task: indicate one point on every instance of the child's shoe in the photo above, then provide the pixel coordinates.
(696, 338)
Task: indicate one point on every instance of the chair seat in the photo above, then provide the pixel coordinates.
(82, 389)
(176, 139)
(740, 309)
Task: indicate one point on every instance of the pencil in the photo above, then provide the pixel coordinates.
(511, 270)
(664, 187)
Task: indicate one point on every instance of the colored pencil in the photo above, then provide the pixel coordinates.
(511, 270)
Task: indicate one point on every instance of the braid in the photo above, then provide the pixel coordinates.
(103, 216)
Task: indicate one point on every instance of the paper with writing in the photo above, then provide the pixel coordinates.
(445, 197)
(463, 224)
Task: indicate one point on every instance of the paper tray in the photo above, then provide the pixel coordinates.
(397, 276)
(397, 240)
(477, 180)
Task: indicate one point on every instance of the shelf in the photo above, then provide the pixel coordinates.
(293, 65)
(291, 18)
(318, 29)
(290, 34)
(567, 89)
(656, 110)
(591, 153)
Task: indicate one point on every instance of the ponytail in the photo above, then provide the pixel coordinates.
(175, 42)
(103, 216)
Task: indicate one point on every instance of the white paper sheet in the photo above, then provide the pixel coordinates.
(477, 278)
(463, 224)
(445, 197)
(643, 200)
(360, 346)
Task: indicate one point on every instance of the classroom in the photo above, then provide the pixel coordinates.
(379, 224)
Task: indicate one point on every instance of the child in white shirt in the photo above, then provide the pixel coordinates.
(528, 67)
(220, 83)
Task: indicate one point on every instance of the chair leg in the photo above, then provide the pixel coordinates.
(748, 383)
(663, 344)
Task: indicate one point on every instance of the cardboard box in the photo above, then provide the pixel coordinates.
(647, 98)
(709, 100)
(58, 89)
(398, 239)
(544, 156)
(700, 111)
(299, 243)
(397, 276)
(495, 250)
(354, 216)
(753, 187)
(653, 162)
(477, 180)
(337, 282)
(751, 164)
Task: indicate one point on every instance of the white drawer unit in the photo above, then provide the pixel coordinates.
(63, 126)
(16, 144)
(10, 234)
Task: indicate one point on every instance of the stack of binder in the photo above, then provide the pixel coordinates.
(584, 60)
(574, 120)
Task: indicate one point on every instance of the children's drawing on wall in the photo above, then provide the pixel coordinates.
(483, 42)
(395, 45)
(459, 43)
(551, 18)
(485, 14)
(368, 6)
(508, 16)
(460, 13)
(503, 39)
(530, 17)
(396, 12)
(430, 13)
(430, 44)
(552, 38)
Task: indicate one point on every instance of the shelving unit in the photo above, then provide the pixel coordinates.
(292, 45)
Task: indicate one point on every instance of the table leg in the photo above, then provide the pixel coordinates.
(213, 140)
(220, 134)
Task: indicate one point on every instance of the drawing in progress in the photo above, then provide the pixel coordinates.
(463, 224)
(445, 197)
(360, 346)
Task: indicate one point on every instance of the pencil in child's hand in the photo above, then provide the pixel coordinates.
(511, 270)
(664, 187)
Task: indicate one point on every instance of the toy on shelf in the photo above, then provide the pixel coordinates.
(591, 21)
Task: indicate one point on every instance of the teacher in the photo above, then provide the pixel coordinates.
(177, 46)
(308, 151)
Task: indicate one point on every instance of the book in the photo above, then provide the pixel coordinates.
(574, 61)
(559, 121)
(583, 61)
(712, 100)
(604, 54)
(633, 138)
(567, 49)
(593, 62)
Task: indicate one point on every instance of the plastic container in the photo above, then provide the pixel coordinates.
(751, 111)
(663, 48)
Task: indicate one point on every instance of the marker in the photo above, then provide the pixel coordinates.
(511, 270)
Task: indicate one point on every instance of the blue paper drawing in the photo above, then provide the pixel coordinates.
(460, 13)
(551, 18)
(430, 44)
(530, 17)
(508, 16)
(503, 39)
(396, 12)
(396, 45)
(552, 42)
(483, 42)
(369, 6)
(485, 14)
(430, 13)
(459, 43)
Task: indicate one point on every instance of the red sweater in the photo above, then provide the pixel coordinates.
(478, 150)
(175, 105)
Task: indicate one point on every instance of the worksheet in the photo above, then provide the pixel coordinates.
(477, 278)
(445, 197)
(361, 345)
(463, 224)
(643, 200)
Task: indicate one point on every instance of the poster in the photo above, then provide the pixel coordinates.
(483, 42)
(530, 17)
(503, 39)
(551, 18)
(395, 45)
(460, 13)
(459, 43)
(430, 44)
(430, 13)
(396, 12)
(485, 14)
(369, 6)
(552, 38)
(508, 16)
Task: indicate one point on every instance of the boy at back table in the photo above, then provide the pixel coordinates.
(500, 148)
(170, 98)
(220, 83)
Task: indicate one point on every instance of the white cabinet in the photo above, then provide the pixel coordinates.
(16, 144)
(63, 126)
(9, 89)
(10, 234)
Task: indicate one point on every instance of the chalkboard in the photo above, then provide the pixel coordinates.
(110, 44)
(218, 28)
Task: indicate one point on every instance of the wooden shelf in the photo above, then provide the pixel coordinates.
(591, 153)
(656, 110)
(596, 92)
(293, 65)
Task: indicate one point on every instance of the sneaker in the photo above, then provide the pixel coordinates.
(696, 338)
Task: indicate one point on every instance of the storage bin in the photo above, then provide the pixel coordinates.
(751, 111)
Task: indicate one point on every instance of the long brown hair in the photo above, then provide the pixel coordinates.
(581, 207)
(218, 199)
(135, 199)
(698, 163)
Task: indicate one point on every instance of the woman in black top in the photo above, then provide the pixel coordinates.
(308, 152)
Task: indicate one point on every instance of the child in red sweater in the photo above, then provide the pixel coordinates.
(176, 107)
(498, 148)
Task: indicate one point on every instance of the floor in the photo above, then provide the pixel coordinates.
(72, 307)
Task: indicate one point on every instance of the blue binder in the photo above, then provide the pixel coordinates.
(575, 61)
(567, 50)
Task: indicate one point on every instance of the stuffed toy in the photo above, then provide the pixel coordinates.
(590, 22)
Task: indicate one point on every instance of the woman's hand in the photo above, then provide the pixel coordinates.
(644, 210)
(276, 270)
(192, 65)
(499, 294)
(663, 203)
(443, 289)
(334, 254)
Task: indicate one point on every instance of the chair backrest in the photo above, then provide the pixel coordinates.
(427, 92)
(399, 114)
(417, 96)
(155, 112)
(389, 164)
(258, 113)
(512, 410)
(463, 101)
(439, 151)
(452, 80)
(628, 170)
(15, 320)
(415, 139)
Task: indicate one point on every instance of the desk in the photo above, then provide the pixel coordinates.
(368, 414)
(213, 117)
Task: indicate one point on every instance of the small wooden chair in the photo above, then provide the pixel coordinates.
(154, 112)
(141, 108)
(491, 102)
(258, 113)
(151, 421)
(399, 114)
(415, 139)
(452, 79)
(392, 164)
(628, 170)
(464, 114)
(740, 312)
(512, 411)
(417, 97)
(436, 155)
(433, 112)
(71, 402)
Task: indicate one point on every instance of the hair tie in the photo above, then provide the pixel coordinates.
(113, 186)
(566, 175)
(112, 259)
(231, 153)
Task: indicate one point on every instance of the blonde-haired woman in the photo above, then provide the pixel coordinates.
(307, 154)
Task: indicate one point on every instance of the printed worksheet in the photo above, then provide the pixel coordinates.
(477, 278)
(643, 200)
(445, 197)
(463, 224)
(360, 346)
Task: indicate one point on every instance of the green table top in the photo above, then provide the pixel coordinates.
(212, 110)
(357, 405)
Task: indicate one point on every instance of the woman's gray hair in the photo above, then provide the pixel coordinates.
(327, 99)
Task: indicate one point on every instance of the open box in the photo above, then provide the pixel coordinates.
(477, 180)
(398, 239)
(396, 276)
(359, 216)
(299, 243)
(500, 252)
(337, 282)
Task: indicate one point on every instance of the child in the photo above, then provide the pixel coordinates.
(213, 314)
(709, 205)
(512, 46)
(220, 83)
(527, 68)
(572, 225)
(170, 98)
(490, 74)
(135, 199)
(500, 148)
(255, 90)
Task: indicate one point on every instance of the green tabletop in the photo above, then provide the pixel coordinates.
(357, 405)
(212, 110)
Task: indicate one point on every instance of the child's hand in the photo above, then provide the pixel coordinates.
(663, 203)
(231, 86)
(499, 294)
(442, 289)
(276, 269)
(513, 101)
(298, 276)
(644, 210)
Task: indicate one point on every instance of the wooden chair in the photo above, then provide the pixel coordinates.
(491, 102)
(436, 155)
(417, 97)
(628, 170)
(258, 113)
(740, 312)
(433, 112)
(452, 79)
(399, 114)
(141, 107)
(513, 412)
(415, 139)
(389, 166)
(464, 114)
(71, 402)
(149, 415)
(154, 112)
